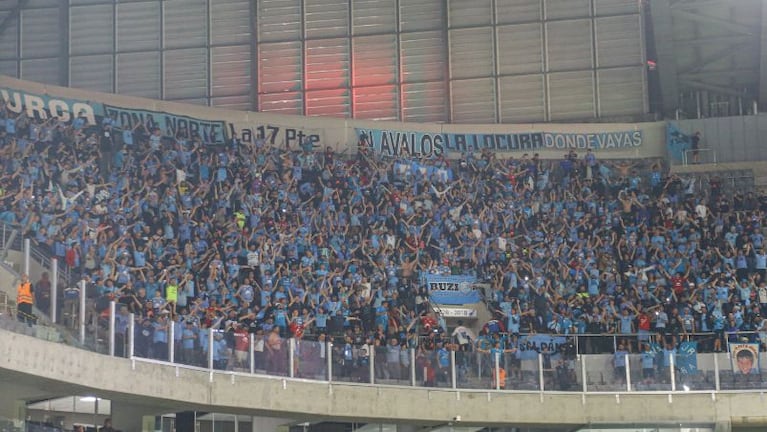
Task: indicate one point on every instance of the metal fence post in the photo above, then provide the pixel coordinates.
(27, 250)
(372, 362)
(131, 335)
(211, 347)
(330, 360)
(291, 357)
(628, 373)
(112, 310)
(251, 349)
(540, 370)
(81, 318)
(171, 340)
(716, 372)
(672, 367)
(453, 380)
(412, 367)
(583, 374)
(54, 289)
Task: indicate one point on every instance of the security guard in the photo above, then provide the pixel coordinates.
(24, 300)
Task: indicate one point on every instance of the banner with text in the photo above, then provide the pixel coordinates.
(211, 132)
(391, 138)
(532, 345)
(410, 144)
(452, 290)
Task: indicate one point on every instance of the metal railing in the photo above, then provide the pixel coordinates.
(689, 156)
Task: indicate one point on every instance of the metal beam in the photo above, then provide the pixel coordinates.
(763, 58)
(719, 22)
(724, 73)
(699, 85)
(739, 39)
(663, 35)
(716, 56)
(13, 14)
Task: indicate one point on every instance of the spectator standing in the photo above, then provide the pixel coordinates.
(25, 300)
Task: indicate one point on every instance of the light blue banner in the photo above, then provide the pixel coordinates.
(452, 290)
(409, 144)
(687, 358)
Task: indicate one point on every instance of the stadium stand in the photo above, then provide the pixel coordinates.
(299, 246)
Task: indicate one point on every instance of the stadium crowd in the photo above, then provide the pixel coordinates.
(297, 243)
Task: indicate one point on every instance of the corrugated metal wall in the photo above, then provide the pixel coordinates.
(729, 139)
(462, 61)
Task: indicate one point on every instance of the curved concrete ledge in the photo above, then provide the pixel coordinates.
(65, 370)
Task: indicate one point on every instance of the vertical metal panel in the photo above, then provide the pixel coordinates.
(229, 22)
(40, 33)
(569, 45)
(621, 91)
(279, 20)
(280, 77)
(473, 100)
(91, 30)
(93, 72)
(232, 102)
(282, 103)
(9, 42)
(327, 64)
(522, 98)
(422, 56)
(518, 11)
(41, 70)
(465, 13)
(374, 17)
(616, 7)
(560, 9)
(742, 148)
(9, 67)
(138, 26)
(186, 23)
(327, 67)
(328, 103)
(571, 95)
(41, 3)
(755, 147)
(519, 47)
(186, 73)
(327, 18)
(617, 41)
(138, 74)
(230, 71)
(424, 102)
(376, 103)
(89, 2)
(375, 60)
(471, 53)
(416, 15)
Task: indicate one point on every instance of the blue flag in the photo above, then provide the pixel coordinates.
(677, 142)
(687, 358)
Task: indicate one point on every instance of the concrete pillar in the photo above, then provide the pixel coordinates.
(723, 426)
(130, 418)
(269, 424)
(13, 410)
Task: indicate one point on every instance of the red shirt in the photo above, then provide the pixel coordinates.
(644, 322)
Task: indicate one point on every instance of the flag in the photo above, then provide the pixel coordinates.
(677, 142)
